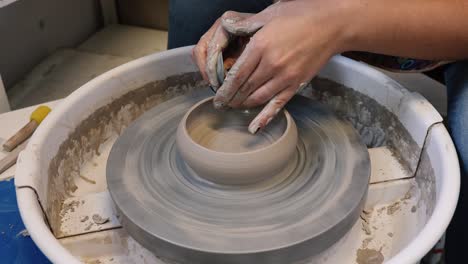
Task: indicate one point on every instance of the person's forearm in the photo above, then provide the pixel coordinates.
(421, 29)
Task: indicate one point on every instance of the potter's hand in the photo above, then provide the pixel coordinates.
(212, 43)
(293, 40)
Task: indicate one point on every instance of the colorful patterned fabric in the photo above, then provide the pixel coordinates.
(393, 63)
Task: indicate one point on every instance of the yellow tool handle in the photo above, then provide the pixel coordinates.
(39, 114)
(25, 132)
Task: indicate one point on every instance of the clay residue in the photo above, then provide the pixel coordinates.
(369, 256)
(365, 217)
(425, 180)
(366, 228)
(96, 261)
(84, 143)
(69, 207)
(376, 125)
(391, 209)
(366, 242)
(407, 196)
(99, 220)
(23, 233)
(88, 180)
(88, 227)
(101, 240)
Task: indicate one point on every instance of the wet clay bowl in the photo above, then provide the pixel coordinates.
(218, 147)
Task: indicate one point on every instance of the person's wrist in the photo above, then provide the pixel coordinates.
(343, 23)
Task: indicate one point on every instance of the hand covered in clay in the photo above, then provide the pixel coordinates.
(214, 42)
(292, 41)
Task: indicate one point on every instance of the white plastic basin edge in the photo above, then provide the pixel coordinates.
(31, 213)
(446, 168)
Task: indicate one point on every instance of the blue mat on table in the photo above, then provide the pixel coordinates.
(15, 244)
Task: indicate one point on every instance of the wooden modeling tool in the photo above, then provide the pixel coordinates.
(17, 143)
(25, 132)
(11, 158)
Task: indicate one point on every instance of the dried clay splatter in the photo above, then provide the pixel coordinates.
(69, 207)
(89, 226)
(366, 228)
(96, 261)
(391, 209)
(99, 220)
(365, 216)
(369, 256)
(23, 233)
(88, 180)
(408, 195)
(366, 242)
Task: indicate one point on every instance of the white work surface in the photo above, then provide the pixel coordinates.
(11, 122)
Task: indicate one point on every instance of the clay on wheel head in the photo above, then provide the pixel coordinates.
(218, 147)
(297, 213)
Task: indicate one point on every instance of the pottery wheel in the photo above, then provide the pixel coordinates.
(291, 216)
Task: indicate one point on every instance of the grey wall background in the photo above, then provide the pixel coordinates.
(144, 13)
(30, 30)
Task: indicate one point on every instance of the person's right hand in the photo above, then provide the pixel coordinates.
(213, 42)
(290, 41)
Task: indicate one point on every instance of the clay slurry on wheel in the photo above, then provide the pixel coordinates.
(288, 217)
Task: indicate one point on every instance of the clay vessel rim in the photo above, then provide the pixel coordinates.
(289, 124)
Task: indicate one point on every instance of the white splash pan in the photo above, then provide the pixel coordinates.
(416, 114)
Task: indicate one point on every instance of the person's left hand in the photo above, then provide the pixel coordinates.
(294, 40)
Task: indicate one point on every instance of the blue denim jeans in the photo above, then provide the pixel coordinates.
(190, 19)
(456, 80)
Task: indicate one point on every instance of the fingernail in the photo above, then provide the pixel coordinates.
(218, 104)
(230, 20)
(268, 121)
(253, 128)
(277, 110)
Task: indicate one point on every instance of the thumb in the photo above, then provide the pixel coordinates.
(244, 24)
